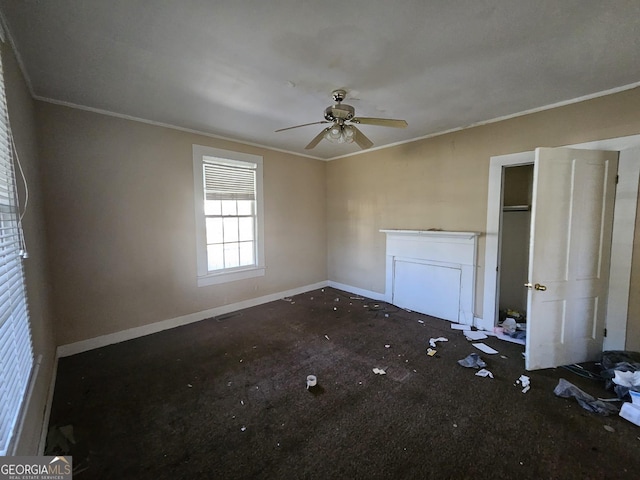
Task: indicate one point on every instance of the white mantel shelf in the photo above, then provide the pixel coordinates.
(434, 233)
(432, 272)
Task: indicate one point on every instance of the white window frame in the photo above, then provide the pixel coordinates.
(204, 276)
(16, 349)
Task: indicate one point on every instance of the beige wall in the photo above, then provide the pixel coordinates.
(442, 183)
(21, 116)
(121, 229)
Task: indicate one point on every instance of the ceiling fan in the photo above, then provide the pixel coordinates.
(342, 132)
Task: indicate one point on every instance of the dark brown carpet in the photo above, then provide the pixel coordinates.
(226, 398)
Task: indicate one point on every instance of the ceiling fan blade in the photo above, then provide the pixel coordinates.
(382, 122)
(361, 139)
(303, 125)
(317, 138)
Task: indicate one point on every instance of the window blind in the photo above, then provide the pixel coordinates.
(225, 182)
(16, 352)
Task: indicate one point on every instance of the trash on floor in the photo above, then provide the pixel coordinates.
(524, 382)
(243, 428)
(620, 364)
(518, 337)
(387, 346)
(431, 352)
(420, 321)
(509, 326)
(484, 373)
(627, 379)
(485, 348)
(312, 380)
(631, 412)
(288, 299)
(566, 389)
(379, 371)
(609, 428)
(327, 337)
(432, 341)
(474, 335)
(609, 399)
(472, 360)
(513, 326)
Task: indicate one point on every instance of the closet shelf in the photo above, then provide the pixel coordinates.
(516, 208)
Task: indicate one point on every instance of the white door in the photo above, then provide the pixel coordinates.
(571, 223)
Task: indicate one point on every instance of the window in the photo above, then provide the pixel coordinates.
(16, 353)
(229, 225)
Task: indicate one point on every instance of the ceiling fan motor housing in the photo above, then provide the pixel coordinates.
(339, 111)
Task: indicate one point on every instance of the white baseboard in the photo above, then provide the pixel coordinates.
(358, 291)
(131, 333)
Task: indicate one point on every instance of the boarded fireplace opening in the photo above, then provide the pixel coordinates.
(432, 272)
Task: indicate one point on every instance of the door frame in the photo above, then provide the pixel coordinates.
(625, 206)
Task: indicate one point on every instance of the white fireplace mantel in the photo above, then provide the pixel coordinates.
(433, 233)
(432, 272)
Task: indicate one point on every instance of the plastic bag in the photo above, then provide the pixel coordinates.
(566, 389)
(473, 360)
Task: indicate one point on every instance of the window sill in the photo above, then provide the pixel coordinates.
(225, 277)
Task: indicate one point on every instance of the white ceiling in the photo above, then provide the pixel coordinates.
(243, 68)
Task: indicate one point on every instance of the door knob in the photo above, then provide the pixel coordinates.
(537, 286)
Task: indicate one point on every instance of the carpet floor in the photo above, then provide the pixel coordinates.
(226, 398)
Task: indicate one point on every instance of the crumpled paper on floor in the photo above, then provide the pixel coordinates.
(484, 373)
(432, 341)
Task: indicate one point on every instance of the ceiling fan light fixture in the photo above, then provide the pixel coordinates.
(340, 134)
(335, 132)
(348, 133)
